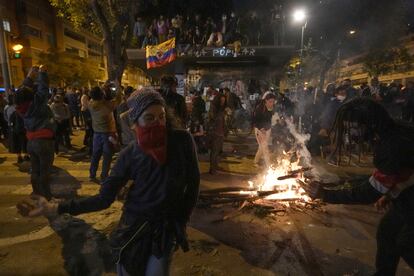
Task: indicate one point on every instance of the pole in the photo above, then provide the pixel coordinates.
(3, 58)
(301, 49)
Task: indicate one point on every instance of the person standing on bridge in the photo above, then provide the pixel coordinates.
(164, 167)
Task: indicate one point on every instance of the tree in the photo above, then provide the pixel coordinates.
(378, 23)
(383, 61)
(69, 69)
(112, 19)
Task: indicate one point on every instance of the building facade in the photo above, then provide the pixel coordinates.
(34, 25)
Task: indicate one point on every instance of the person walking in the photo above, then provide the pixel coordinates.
(262, 122)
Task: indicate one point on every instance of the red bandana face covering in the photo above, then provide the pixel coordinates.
(21, 109)
(153, 141)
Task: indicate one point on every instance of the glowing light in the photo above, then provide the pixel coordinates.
(17, 47)
(299, 15)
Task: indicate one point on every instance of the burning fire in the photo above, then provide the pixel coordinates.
(284, 179)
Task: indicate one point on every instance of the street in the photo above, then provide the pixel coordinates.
(340, 240)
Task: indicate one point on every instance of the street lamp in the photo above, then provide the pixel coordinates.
(17, 47)
(351, 32)
(299, 16)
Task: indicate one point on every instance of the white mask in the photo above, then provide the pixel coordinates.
(341, 98)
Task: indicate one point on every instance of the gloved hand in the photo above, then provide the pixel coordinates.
(314, 189)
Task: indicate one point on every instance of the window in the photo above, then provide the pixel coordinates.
(94, 46)
(6, 25)
(51, 40)
(72, 50)
(82, 53)
(74, 35)
(29, 30)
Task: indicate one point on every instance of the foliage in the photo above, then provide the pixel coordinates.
(69, 69)
(112, 19)
(383, 61)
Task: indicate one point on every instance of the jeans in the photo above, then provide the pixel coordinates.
(263, 138)
(41, 156)
(101, 146)
(155, 266)
(395, 239)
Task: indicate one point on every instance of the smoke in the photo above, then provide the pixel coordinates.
(300, 140)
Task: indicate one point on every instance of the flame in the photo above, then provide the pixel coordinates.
(288, 189)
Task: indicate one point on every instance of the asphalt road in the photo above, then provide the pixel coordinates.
(338, 241)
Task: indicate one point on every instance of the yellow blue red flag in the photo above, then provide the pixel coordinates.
(161, 54)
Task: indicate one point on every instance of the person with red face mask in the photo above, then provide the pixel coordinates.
(163, 165)
(31, 101)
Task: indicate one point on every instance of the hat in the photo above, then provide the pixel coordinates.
(141, 100)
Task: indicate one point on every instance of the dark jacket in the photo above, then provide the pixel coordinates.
(393, 156)
(199, 108)
(39, 115)
(262, 118)
(328, 114)
(176, 103)
(161, 198)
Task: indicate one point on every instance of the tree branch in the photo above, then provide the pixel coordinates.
(97, 8)
(112, 9)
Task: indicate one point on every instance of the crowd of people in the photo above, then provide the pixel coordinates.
(194, 31)
(143, 124)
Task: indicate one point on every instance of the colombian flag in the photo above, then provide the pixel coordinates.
(161, 54)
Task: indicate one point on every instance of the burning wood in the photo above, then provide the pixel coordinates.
(294, 173)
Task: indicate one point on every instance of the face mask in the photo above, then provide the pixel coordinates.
(21, 109)
(341, 98)
(153, 141)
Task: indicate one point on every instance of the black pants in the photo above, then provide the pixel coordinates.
(216, 148)
(62, 135)
(88, 138)
(41, 157)
(395, 239)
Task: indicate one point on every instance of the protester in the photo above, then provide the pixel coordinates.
(215, 39)
(104, 130)
(162, 29)
(164, 167)
(149, 39)
(86, 114)
(391, 187)
(175, 102)
(262, 122)
(31, 103)
(3, 123)
(216, 130)
(61, 114)
(123, 126)
(17, 140)
(73, 100)
(408, 104)
(140, 28)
